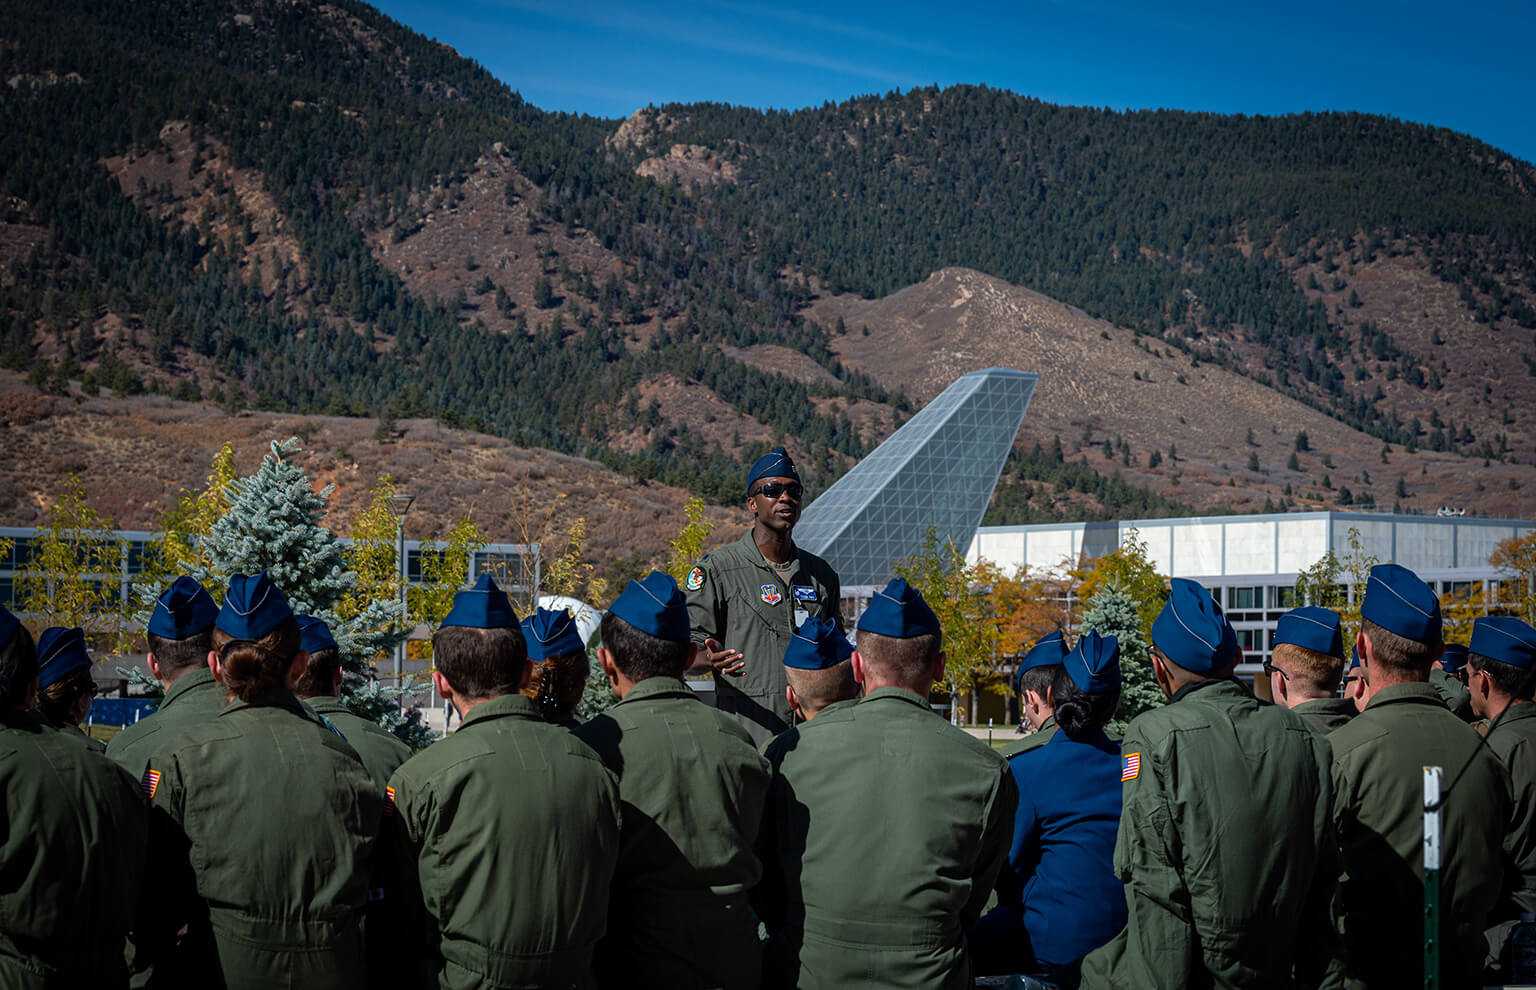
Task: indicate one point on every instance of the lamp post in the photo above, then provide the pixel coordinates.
(400, 504)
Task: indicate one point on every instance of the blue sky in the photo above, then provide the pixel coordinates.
(1467, 66)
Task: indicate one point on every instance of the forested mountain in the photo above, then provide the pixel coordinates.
(306, 206)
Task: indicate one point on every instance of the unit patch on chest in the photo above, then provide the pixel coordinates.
(772, 595)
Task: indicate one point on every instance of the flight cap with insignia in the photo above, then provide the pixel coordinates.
(1192, 631)
(655, 606)
(898, 611)
(484, 606)
(552, 633)
(1094, 663)
(775, 464)
(817, 645)
(1311, 628)
(1052, 649)
(60, 652)
(314, 634)
(253, 607)
(183, 611)
(1506, 639)
(1399, 602)
(1454, 658)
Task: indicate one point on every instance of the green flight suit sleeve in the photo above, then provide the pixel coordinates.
(706, 606)
(996, 837)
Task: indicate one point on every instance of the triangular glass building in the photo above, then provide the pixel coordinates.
(937, 471)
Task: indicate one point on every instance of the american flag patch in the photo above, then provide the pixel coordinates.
(1130, 767)
(389, 800)
(149, 782)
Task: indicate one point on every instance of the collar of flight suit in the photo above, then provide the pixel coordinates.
(897, 694)
(1516, 711)
(1411, 692)
(276, 698)
(755, 554)
(1189, 689)
(185, 684)
(653, 687)
(502, 706)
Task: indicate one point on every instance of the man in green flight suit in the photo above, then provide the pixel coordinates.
(692, 786)
(1037, 669)
(507, 831)
(1501, 678)
(180, 636)
(1378, 761)
(72, 847)
(1306, 665)
(381, 751)
(1446, 677)
(747, 598)
(1225, 843)
(875, 884)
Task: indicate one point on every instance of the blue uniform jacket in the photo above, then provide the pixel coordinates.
(1058, 896)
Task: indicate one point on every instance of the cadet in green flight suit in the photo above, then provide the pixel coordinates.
(1037, 670)
(65, 687)
(818, 663)
(747, 598)
(381, 751)
(1501, 678)
(507, 831)
(692, 786)
(1225, 843)
(180, 636)
(72, 846)
(1378, 761)
(264, 821)
(1305, 667)
(1446, 677)
(886, 826)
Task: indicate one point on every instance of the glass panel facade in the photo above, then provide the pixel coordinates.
(937, 472)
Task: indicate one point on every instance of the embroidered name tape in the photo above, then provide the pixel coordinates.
(804, 593)
(1130, 767)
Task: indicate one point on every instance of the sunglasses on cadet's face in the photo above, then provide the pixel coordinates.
(1270, 668)
(776, 490)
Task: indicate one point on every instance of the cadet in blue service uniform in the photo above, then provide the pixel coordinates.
(180, 636)
(1501, 677)
(65, 687)
(381, 751)
(560, 666)
(692, 786)
(1378, 761)
(508, 829)
(265, 819)
(1305, 666)
(746, 598)
(886, 826)
(1225, 843)
(819, 667)
(72, 842)
(1036, 673)
(1447, 679)
(1058, 897)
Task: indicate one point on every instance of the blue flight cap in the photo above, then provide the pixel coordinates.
(485, 606)
(1506, 639)
(314, 634)
(1094, 663)
(1052, 648)
(655, 606)
(552, 633)
(817, 645)
(774, 464)
(1399, 602)
(183, 611)
(253, 607)
(1354, 660)
(1192, 631)
(898, 611)
(8, 625)
(1455, 657)
(60, 652)
(1311, 628)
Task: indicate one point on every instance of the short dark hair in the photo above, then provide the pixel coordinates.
(18, 666)
(1038, 679)
(901, 660)
(57, 700)
(481, 663)
(1079, 713)
(177, 656)
(254, 668)
(639, 655)
(321, 675)
(1517, 682)
(817, 689)
(1400, 655)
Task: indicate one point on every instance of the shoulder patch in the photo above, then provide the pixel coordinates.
(1130, 767)
(695, 579)
(149, 783)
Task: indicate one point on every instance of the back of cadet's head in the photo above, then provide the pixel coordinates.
(646, 629)
(1309, 644)
(255, 636)
(180, 631)
(18, 662)
(1086, 689)
(560, 666)
(818, 665)
(1504, 648)
(899, 636)
(1037, 668)
(1400, 616)
(1192, 634)
(479, 648)
(323, 673)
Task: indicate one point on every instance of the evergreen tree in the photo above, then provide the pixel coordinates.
(1112, 612)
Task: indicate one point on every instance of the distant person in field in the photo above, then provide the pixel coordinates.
(381, 751)
(746, 599)
(1037, 672)
(560, 666)
(819, 667)
(1305, 667)
(65, 687)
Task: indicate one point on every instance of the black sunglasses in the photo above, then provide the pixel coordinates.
(1270, 668)
(776, 489)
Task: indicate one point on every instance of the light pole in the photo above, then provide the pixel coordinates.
(401, 504)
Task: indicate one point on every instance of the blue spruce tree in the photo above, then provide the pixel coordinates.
(1112, 612)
